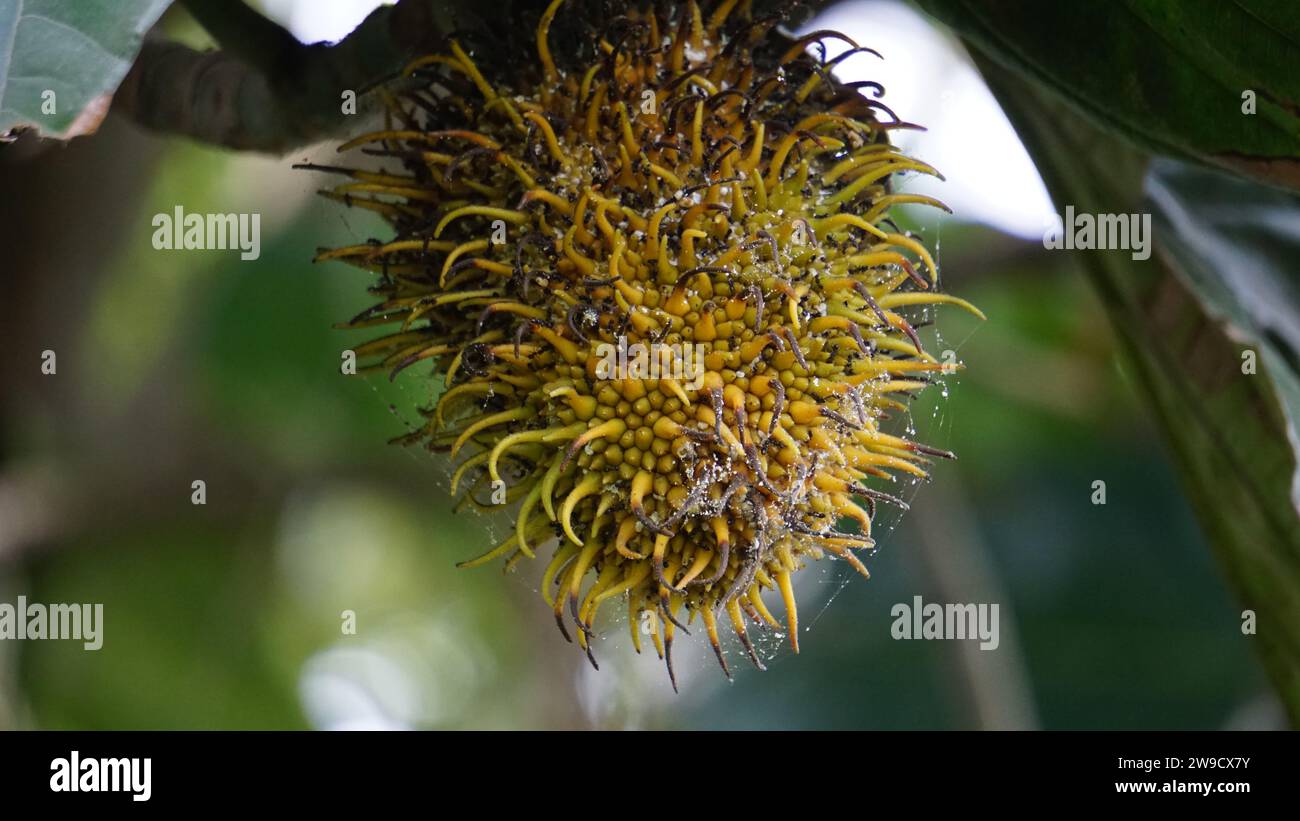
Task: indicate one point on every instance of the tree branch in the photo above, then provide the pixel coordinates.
(265, 91)
(247, 35)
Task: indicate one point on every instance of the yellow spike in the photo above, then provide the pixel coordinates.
(611, 429)
(420, 194)
(590, 484)
(584, 264)
(580, 565)
(755, 178)
(756, 153)
(927, 298)
(419, 136)
(666, 175)
(499, 550)
(460, 390)
(513, 439)
(386, 208)
(655, 632)
(521, 522)
(476, 459)
(634, 623)
(697, 25)
(563, 553)
(509, 215)
(642, 483)
(738, 626)
(557, 604)
(550, 198)
(755, 598)
(697, 128)
(629, 139)
(464, 248)
(543, 48)
(584, 88)
(512, 415)
(668, 650)
(888, 201)
(918, 249)
(652, 233)
(635, 575)
(657, 560)
(590, 607)
(791, 608)
(516, 308)
(719, 16)
(711, 626)
(548, 133)
(432, 59)
(866, 155)
(851, 191)
(626, 530)
(831, 223)
(845, 506)
(594, 111)
(549, 482)
(483, 85)
(567, 349)
(846, 554)
(516, 168)
(702, 559)
(675, 389)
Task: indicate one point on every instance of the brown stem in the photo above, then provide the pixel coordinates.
(265, 91)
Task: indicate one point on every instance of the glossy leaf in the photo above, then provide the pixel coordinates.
(1237, 245)
(61, 61)
(1175, 77)
(1226, 430)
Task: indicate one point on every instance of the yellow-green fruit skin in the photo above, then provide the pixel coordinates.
(691, 189)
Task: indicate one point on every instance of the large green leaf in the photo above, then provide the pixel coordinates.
(61, 60)
(1237, 246)
(1169, 75)
(1226, 429)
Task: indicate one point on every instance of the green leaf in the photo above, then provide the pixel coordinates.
(61, 61)
(1237, 246)
(1227, 431)
(1169, 75)
(183, 627)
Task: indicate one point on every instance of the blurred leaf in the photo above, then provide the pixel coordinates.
(77, 51)
(1167, 74)
(183, 627)
(1226, 430)
(140, 312)
(1237, 245)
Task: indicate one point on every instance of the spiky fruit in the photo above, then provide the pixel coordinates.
(693, 185)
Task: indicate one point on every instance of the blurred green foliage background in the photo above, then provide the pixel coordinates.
(177, 366)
